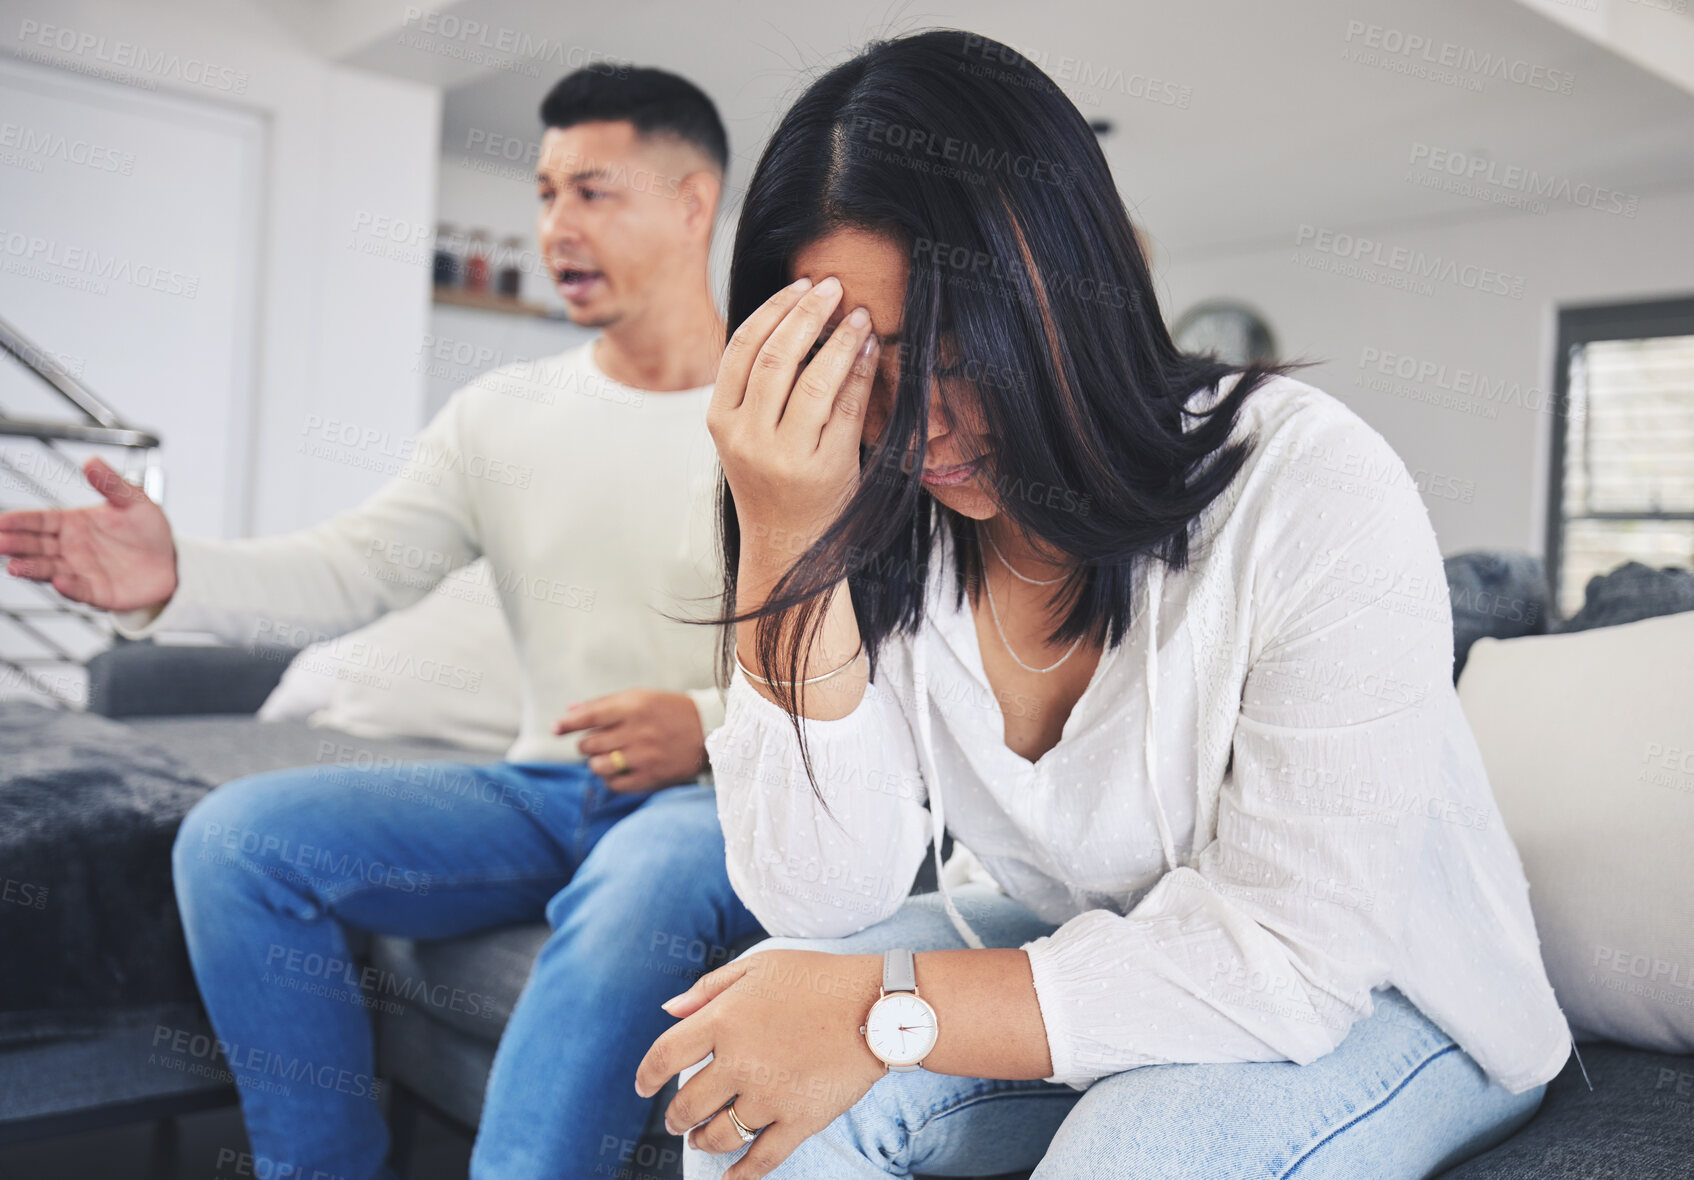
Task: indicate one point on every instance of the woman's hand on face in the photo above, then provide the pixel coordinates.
(788, 432)
(782, 1028)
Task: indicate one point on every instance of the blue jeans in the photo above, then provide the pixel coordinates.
(1396, 1099)
(270, 869)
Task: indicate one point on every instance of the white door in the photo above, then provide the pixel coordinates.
(129, 250)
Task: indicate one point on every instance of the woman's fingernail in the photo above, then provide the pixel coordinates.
(667, 1004)
(863, 364)
(859, 318)
(830, 285)
(800, 284)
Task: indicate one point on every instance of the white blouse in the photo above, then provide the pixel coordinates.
(1245, 826)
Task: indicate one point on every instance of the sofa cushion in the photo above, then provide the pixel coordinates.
(471, 982)
(1636, 1124)
(145, 678)
(222, 748)
(1588, 738)
(154, 1052)
(448, 1069)
(441, 1006)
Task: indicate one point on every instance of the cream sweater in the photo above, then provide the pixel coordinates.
(592, 500)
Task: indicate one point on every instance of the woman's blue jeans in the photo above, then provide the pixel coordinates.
(271, 868)
(1397, 1099)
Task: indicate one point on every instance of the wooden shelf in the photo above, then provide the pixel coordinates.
(484, 301)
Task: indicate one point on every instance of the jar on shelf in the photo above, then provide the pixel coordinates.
(510, 281)
(447, 268)
(476, 262)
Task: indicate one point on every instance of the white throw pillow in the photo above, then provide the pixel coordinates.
(443, 668)
(1589, 742)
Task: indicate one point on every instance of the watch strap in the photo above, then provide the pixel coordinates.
(899, 970)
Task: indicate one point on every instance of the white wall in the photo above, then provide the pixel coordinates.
(351, 155)
(150, 295)
(1497, 455)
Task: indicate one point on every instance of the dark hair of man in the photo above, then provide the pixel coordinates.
(654, 101)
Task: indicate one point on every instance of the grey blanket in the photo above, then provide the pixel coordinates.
(88, 811)
(1497, 592)
(1632, 592)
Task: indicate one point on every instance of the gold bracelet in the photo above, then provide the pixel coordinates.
(808, 680)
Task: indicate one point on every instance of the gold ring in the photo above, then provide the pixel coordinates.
(618, 761)
(747, 1135)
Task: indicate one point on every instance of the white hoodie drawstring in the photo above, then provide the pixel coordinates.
(920, 697)
(1155, 588)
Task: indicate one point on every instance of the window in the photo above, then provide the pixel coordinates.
(1623, 449)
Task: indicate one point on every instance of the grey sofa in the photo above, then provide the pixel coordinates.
(166, 724)
(191, 708)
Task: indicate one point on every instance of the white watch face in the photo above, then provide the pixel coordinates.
(901, 1028)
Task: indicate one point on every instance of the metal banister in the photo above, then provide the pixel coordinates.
(101, 426)
(43, 365)
(112, 436)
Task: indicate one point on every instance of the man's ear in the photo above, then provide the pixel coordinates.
(699, 192)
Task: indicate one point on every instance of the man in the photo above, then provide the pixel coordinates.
(585, 479)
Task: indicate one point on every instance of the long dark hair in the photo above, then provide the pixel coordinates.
(1022, 256)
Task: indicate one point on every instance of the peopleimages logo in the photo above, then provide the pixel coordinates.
(418, 458)
(1402, 260)
(914, 144)
(1512, 184)
(87, 268)
(1653, 970)
(1093, 78)
(38, 144)
(498, 46)
(262, 1069)
(312, 860)
(1471, 390)
(1396, 49)
(127, 54)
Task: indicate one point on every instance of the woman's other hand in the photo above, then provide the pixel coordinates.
(782, 1028)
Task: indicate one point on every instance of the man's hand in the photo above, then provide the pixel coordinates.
(116, 556)
(658, 734)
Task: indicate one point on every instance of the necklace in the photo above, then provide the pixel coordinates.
(994, 611)
(1008, 565)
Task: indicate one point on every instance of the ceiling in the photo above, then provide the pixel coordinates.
(1279, 127)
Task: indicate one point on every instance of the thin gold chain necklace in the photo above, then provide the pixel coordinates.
(994, 611)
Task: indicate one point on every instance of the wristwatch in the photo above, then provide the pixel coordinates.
(901, 1027)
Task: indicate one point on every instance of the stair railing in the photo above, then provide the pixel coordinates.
(57, 633)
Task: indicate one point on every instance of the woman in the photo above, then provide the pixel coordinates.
(1165, 641)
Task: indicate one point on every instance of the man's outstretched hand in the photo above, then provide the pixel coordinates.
(116, 556)
(658, 733)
